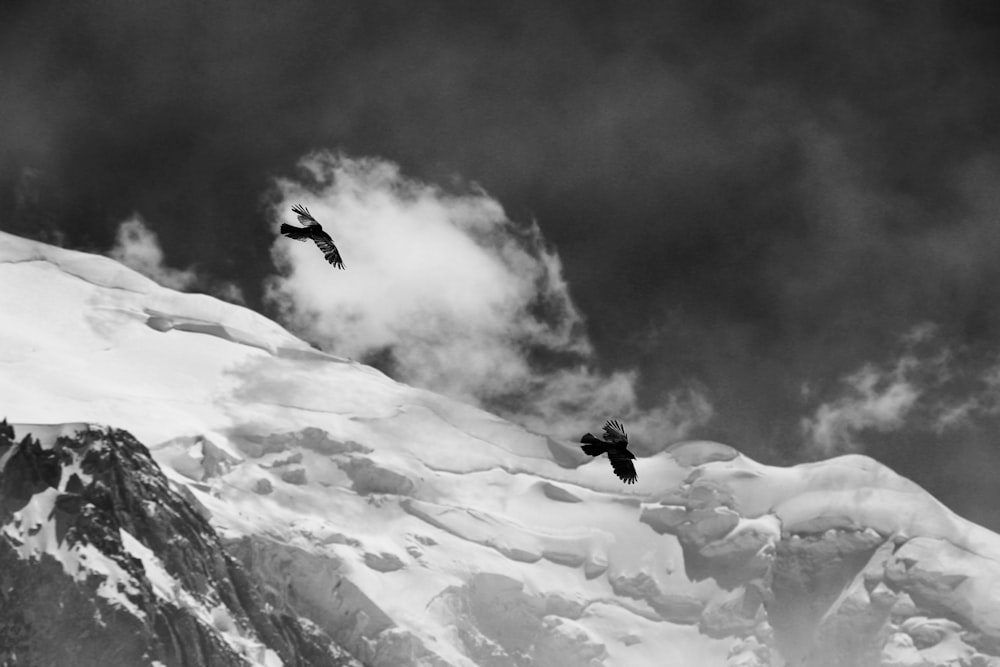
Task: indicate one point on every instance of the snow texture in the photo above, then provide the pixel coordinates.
(416, 530)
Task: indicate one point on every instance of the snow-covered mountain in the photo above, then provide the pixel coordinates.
(294, 507)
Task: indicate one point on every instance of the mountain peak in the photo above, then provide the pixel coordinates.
(283, 500)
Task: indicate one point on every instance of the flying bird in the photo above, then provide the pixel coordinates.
(615, 445)
(313, 230)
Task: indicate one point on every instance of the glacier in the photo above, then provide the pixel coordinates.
(413, 529)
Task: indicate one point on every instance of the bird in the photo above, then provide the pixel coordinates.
(615, 445)
(313, 230)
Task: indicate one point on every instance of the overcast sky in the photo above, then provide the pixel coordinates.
(772, 224)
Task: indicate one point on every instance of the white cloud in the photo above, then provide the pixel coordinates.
(924, 387)
(565, 401)
(929, 387)
(875, 399)
(982, 401)
(228, 291)
(137, 247)
(463, 300)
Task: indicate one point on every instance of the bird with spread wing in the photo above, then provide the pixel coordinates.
(313, 230)
(615, 445)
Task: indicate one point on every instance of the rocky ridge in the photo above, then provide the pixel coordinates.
(96, 544)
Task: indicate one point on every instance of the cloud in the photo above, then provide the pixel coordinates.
(876, 399)
(564, 401)
(753, 170)
(981, 402)
(227, 291)
(931, 386)
(445, 292)
(885, 397)
(137, 247)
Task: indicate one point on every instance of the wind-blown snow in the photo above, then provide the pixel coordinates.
(402, 501)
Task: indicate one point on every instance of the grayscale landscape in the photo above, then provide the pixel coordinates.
(306, 309)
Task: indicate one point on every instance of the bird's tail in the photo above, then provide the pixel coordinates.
(592, 446)
(292, 232)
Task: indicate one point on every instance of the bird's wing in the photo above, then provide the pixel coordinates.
(305, 217)
(325, 243)
(615, 432)
(621, 462)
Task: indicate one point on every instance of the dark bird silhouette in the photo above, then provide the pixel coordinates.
(615, 445)
(313, 230)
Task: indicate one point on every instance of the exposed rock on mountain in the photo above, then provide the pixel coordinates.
(293, 507)
(850, 563)
(96, 546)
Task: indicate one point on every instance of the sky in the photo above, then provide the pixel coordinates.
(770, 224)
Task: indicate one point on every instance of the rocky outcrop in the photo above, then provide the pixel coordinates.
(383, 562)
(256, 444)
(96, 545)
(368, 477)
(669, 606)
(199, 458)
(296, 476)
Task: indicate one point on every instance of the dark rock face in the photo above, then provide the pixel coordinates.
(28, 470)
(40, 602)
(96, 548)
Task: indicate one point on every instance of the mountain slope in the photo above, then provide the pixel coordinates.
(415, 530)
(99, 550)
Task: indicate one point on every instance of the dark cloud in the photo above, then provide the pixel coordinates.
(747, 197)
